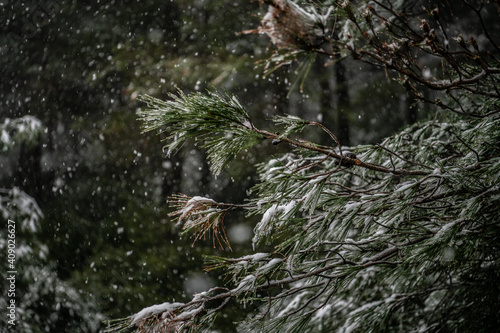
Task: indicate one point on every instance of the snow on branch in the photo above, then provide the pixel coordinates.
(202, 216)
(223, 126)
(174, 317)
(358, 237)
(389, 35)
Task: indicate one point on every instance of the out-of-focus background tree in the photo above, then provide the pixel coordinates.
(98, 187)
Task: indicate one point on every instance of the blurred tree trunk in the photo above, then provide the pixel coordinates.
(343, 103)
(337, 90)
(327, 109)
(411, 109)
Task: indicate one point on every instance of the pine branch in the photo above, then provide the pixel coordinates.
(216, 119)
(353, 240)
(344, 159)
(224, 126)
(180, 316)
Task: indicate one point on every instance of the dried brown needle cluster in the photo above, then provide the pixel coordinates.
(291, 27)
(202, 216)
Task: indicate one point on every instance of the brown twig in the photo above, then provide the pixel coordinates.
(330, 153)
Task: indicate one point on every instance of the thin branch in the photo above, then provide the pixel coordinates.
(486, 31)
(402, 158)
(329, 133)
(353, 161)
(470, 148)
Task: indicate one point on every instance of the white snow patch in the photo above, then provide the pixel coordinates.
(322, 312)
(193, 203)
(255, 257)
(405, 186)
(275, 210)
(443, 230)
(154, 310)
(269, 266)
(245, 285)
(189, 314)
(293, 304)
(352, 205)
(247, 123)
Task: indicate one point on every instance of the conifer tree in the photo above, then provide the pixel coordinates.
(35, 298)
(401, 235)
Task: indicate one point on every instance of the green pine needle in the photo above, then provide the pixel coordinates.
(216, 119)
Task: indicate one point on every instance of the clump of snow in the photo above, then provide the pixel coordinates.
(194, 203)
(154, 310)
(322, 313)
(24, 129)
(264, 226)
(293, 304)
(275, 210)
(269, 266)
(405, 187)
(255, 257)
(352, 205)
(443, 230)
(245, 285)
(190, 313)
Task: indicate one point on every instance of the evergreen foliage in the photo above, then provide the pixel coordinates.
(390, 237)
(43, 302)
(202, 117)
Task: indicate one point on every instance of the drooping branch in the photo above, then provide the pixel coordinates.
(180, 316)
